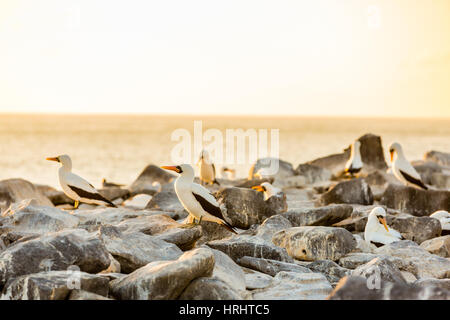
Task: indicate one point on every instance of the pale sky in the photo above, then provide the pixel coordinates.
(321, 57)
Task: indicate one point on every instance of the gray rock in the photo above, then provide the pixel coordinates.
(56, 197)
(441, 158)
(144, 182)
(440, 180)
(256, 280)
(16, 190)
(167, 200)
(246, 245)
(439, 246)
(428, 265)
(113, 193)
(352, 191)
(322, 216)
(54, 285)
(285, 169)
(381, 268)
(209, 289)
(330, 269)
(54, 251)
(356, 259)
(414, 201)
(243, 207)
(29, 217)
(136, 249)
(85, 295)
(227, 271)
(355, 288)
(164, 280)
(295, 286)
(441, 283)
(426, 169)
(270, 267)
(315, 243)
(313, 174)
(272, 225)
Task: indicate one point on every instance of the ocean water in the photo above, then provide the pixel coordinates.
(118, 147)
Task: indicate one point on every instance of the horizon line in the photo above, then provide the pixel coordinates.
(268, 115)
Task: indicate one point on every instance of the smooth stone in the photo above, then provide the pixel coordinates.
(139, 201)
(54, 285)
(439, 246)
(285, 169)
(16, 190)
(164, 280)
(270, 267)
(256, 280)
(441, 158)
(295, 286)
(313, 174)
(382, 268)
(272, 225)
(315, 243)
(414, 201)
(354, 191)
(54, 251)
(323, 216)
(209, 289)
(330, 269)
(135, 250)
(167, 200)
(151, 174)
(56, 197)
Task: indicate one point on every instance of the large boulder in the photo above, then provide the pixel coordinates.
(272, 225)
(439, 246)
(441, 158)
(285, 169)
(54, 285)
(163, 280)
(427, 265)
(16, 190)
(206, 288)
(227, 271)
(313, 174)
(54, 251)
(330, 269)
(415, 201)
(144, 182)
(252, 246)
(29, 217)
(382, 269)
(136, 249)
(322, 216)
(315, 243)
(356, 288)
(270, 267)
(355, 191)
(56, 197)
(243, 207)
(372, 155)
(426, 169)
(167, 200)
(295, 286)
(256, 280)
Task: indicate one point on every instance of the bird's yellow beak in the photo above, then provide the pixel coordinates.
(53, 159)
(258, 188)
(392, 155)
(383, 221)
(172, 168)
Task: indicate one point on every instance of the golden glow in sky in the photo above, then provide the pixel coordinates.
(322, 57)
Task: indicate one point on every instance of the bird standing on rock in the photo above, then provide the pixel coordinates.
(207, 169)
(196, 199)
(75, 187)
(377, 230)
(354, 164)
(402, 169)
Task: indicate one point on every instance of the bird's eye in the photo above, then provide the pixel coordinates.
(179, 169)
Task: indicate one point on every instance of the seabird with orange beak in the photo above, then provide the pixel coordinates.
(196, 199)
(377, 230)
(267, 189)
(75, 187)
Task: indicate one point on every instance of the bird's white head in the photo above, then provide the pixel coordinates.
(63, 159)
(182, 169)
(395, 149)
(267, 188)
(379, 214)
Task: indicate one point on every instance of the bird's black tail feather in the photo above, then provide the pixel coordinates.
(215, 181)
(228, 226)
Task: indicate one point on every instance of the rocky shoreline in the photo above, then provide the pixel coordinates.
(307, 243)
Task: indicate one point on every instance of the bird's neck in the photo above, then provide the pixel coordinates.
(65, 169)
(372, 222)
(354, 153)
(184, 180)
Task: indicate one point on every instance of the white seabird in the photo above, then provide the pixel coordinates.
(444, 217)
(354, 164)
(377, 230)
(207, 169)
(75, 187)
(402, 169)
(196, 199)
(267, 189)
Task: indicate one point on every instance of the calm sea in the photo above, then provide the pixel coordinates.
(118, 147)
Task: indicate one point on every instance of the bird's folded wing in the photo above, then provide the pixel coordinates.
(78, 182)
(395, 233)
(406, 168)
(207, 201)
